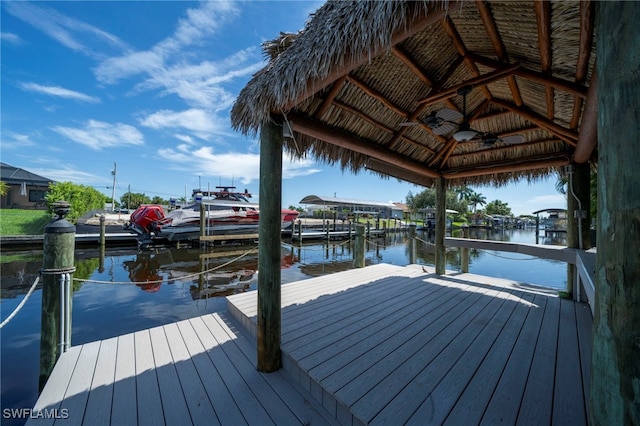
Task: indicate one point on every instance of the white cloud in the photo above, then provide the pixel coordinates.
(10, 38)
(551, 200)
(196, 121)
(98, 134)
(11, 140)
(68, 174)
(230, 165)
(67, 31)
(59, 92)
(114, 69)
(171, 66)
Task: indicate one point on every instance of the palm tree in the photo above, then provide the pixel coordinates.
(464, 193)
(477, 198)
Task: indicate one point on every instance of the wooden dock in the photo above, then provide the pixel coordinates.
(379, 345)
(391, 345)
(197, 371)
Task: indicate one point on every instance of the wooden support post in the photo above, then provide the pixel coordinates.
(578, 217)
(412, 244)
(358, 251)
(464, 251)
(615, 370)
(203, 221)
(441, 196)
(57, 262)
(349, 227)
(328, 231)
(102, 243)
(299, 231)
(102, 231)
(269, 309)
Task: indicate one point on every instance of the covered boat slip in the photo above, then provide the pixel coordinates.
(380, 345)
(395, 345)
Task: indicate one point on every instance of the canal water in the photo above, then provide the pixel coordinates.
(129, 290)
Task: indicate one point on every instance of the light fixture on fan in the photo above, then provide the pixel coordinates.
(451, 123)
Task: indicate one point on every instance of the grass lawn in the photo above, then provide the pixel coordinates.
(23, 222)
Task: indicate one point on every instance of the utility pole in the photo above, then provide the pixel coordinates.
(113, 189)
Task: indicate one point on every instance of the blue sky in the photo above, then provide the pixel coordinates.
(149, 86)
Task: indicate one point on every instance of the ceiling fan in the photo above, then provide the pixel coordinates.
(455, 124)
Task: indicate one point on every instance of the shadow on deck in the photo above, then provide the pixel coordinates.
(392, 345)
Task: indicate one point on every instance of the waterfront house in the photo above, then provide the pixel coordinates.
(26, 189)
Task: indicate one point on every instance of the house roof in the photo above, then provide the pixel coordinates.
(15, 175)
(365, 85)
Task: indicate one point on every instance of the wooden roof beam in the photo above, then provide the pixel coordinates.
(588, 138)
(566, 135)
(411, 64)
(377, 124)
(379, 97)
(587, 18)
(498, 45)
(557, 83)
(318, 130)
(479, 81)
(543, 16)
(469, 155)
(335, 89)
(507, 168)
(458, 44)
(420, 22)
(414, 115)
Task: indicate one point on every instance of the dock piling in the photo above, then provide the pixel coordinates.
(57, 269)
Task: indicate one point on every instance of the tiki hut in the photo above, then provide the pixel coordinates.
(390, 85)
(468, 93)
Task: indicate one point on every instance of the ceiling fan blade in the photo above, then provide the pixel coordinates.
(512, 140)
(445, 128)
(451, 115)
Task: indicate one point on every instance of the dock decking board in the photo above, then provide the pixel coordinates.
(380, 345)
(459, 348)
(189, 372)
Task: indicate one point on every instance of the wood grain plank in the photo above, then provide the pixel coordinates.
(474, 398)
(568, 397)
(298, 401)
(251, 408)
(395, 394)
(198, 343)
(101, 394)
(304, 341)
(327, 310)
(147, 388)
(505, 401)
(274, 406)
(323, 362)
(538, 396)
(56, 386)
(372, 366)
(124, 403)
(77, 394)
(413, 355)
(174, 405)
(200, 407)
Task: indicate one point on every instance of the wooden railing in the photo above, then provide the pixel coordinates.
(583, 260)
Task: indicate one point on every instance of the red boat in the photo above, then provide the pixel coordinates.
(227, 213)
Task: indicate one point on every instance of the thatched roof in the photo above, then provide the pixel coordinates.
(350, 83)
